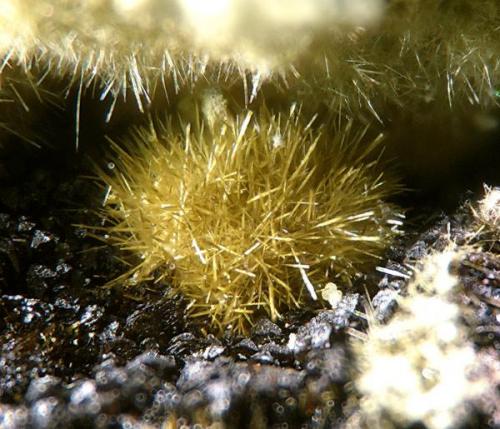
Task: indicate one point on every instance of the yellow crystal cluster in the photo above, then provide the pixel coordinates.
(258, 214)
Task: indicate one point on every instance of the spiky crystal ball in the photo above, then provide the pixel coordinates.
(258, 213)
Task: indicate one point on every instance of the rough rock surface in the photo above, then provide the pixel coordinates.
(74, 354)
